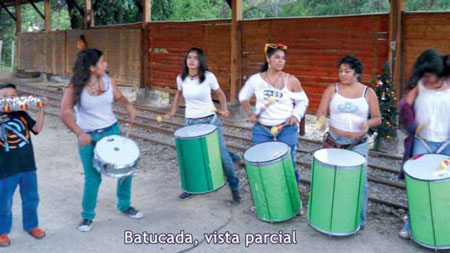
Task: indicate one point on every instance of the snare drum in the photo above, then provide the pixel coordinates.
(428, 191)
(199, 158)
(272, 181)
(116, 156)
(337, 178)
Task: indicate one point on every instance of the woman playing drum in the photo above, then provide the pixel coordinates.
(195, 84)
(349, 104)
(281, 102)
(424, 111)
(92, 92)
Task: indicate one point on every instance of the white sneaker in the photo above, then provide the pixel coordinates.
(405, 234)
(133, 213)
(85, 225)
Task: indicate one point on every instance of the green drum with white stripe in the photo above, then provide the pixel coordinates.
(272, 181)
(337, 178)
(199, 158)
(428, 190)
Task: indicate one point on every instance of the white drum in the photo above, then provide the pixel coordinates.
(116, 156)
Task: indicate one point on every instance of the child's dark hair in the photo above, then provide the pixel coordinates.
(429, 61)
(7, 85)
(354, 63)
(446, 62)
(270, 52)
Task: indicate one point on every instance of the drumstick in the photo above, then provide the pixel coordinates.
(276, 129)
(444, 164)
(223, 114)
(266, 104)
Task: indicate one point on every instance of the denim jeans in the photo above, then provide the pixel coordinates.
(288, 135)
(228, 158)
(92, 179)
(418, 149)
(362, 149)
(27, 182)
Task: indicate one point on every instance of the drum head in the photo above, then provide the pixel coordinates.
(266, 152)
(339, 157)
(117, 150)
(426, 167)
(194, 131)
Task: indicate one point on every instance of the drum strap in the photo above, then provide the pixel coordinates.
(438, 151)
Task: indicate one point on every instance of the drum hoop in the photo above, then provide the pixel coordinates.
(429, 245)
(334, 234)
(427, 180)
(332, 166)
(340, 167)
(195, 137)
(269, 162)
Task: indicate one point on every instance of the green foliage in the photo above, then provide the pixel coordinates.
(384, 89)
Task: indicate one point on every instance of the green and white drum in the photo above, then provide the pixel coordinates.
(272, 181)
(337, 179)
(199, 158)
(428, 190)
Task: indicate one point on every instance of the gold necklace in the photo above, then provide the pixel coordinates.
(270, 80)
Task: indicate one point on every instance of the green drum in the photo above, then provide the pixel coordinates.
(272, 181)
(337, 179)
(199, 158)
(428, 190)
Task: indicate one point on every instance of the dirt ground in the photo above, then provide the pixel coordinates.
(155, 187)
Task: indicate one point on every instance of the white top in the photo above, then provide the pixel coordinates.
(432, 107)
(194, 131)
(426, 167)
(197, 95)
(339, 157)
(346, 114)
(280, 110)
(95, 112)
(117, 150)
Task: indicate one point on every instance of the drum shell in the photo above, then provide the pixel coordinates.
(334, 205)
(429, 215)
(200, 163)
(274, 189)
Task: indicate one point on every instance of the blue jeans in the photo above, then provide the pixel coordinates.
(92, 179)
(362, 149)
(27, 182)
(288, 135)
(419, 149)
(228, 158)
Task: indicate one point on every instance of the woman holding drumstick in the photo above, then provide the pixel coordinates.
(92, 92)
(195, 84)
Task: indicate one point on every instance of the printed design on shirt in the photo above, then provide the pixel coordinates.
(347, 107)
(14, 133)
(272, 94)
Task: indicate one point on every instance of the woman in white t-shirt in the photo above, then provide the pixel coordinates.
(288, 106)
(195, 84)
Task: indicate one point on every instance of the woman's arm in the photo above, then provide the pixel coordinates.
(66, 111)
(222, 100)
(322, 110)
(375, 119)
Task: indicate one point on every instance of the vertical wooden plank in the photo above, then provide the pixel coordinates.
(47, 15)
(147, 15)
(87, 14)
(236, 17)
(395, 45)
(18, 30)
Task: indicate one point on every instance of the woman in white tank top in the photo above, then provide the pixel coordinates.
(425, 111)
(92, 92)
(349, 104)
